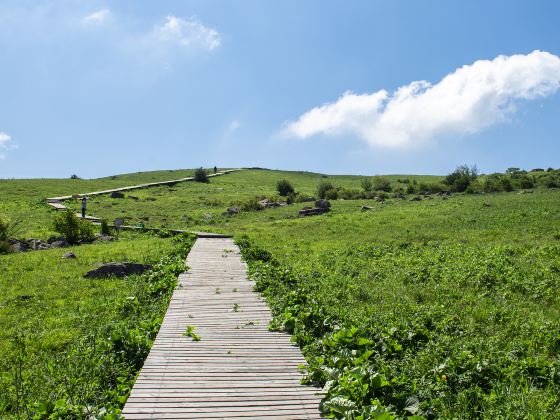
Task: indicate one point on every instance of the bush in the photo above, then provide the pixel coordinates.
(460, 179)
(250, 204)
(323, 188)
(331, 194)
(284, 188)
(73, 229)
(381, 184)
(431, 187)
(367, 184)
(200, 175)
(351, 194)
(105, 229)
(74, 176)
(411, 189)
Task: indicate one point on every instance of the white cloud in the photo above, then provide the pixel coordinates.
(234, 126)
(187, 33)
(6, 143)
(97, 18)
(465, 101)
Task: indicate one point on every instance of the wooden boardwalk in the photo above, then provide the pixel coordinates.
(238, 369)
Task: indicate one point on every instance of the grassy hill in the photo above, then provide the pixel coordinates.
(443, 307)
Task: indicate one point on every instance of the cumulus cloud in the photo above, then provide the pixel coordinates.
(465, 101)
(187, 33)
(97, 18)
(6, 143)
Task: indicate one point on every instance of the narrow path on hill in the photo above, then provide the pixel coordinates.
(237, 369)
(57, 202)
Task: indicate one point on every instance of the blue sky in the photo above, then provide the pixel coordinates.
(103, 87)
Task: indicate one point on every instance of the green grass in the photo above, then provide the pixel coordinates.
(441, 307)
(78, 342)
(23, 199)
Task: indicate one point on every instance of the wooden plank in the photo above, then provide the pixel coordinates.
(238, 369)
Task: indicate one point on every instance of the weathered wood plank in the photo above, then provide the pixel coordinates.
(238, 369)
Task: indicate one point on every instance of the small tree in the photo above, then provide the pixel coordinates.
(460, 179)
(381, 184)
(74, 176)
(200, 175)
(73, 229)
(323, 188)
(105, 229)
(366, 184)
(284, 187)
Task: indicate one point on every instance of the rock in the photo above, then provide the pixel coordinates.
(69, 255)
(314, 211)
(55, 239)
(104, 238)
(60, 244)
(306, 199)
(37, 244)
(323, 204)
(116, 194)
(133, 197)
(366, 208)
(233, 210)
(150, 199)
(117, 269)
(417, 198)
(378, 199)
(18, 246)
(486, 205)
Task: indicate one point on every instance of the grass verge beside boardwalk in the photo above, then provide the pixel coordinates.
(71, 347)
(434, 330)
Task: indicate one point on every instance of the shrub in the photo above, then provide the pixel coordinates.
(200, 175)
(367, 184)
(105, 229)
(331, 194)
(73, 229)
(525, 182)
(460, 179)
(323, 188)
(411, 189)
(284, 187)
(250, 204)
(431, 187)
(381, 184)
(350, 194)
(74, 176)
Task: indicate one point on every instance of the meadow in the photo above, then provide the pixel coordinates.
(443, 307)
(70, 347)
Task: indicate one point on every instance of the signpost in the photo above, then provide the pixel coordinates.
(119, 222)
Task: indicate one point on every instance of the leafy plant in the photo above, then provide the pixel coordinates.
(72, 228)
(200, 175)
(284, 187)
(190, 333)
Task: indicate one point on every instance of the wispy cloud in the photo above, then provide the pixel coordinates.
(234, 125)
(187, 33)
(6, 143)
(467, 100)
(97, 18)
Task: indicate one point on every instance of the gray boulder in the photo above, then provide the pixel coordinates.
(62, 243)
(233, 210)
(117, 269)
(69, 255)
(18, 246)
(116, 194)
(323, 204)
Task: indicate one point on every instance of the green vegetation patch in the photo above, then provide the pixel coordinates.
(433, 330)
(71, 347)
